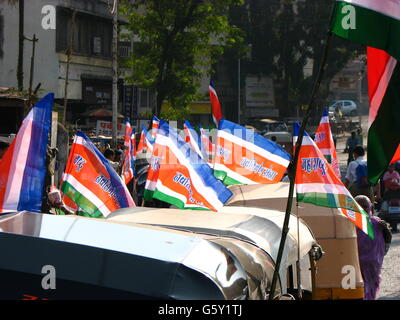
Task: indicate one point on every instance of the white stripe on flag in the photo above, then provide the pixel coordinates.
(322, 188)
(162, 188)
(16, 173)
(390, 8)
(381, 90)
(206, 192)
(254, 148)
(232, 174)
(87, 194)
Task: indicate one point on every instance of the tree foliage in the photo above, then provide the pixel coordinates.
(175, 42)
(285, 35)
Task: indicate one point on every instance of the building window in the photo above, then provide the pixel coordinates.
(92, 34)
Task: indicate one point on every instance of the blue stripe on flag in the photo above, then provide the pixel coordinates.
(116, 181)
(35, 167)
(203, 169)
(296, 130)
(253, 137)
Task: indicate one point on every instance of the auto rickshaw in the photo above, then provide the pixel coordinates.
(151, 253)
(333, 231)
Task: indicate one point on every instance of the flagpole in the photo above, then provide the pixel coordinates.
(293, 165)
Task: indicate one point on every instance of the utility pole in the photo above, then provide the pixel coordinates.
(20, 65)
(115, 75)
(239, 91)
(69, 53)
(33, 40)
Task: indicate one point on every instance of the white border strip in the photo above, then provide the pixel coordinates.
(376, 100)
(254, 148)
(390, 8)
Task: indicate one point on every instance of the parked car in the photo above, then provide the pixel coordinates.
(346, 107)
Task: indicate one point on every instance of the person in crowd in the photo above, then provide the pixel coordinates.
(109, 154)
(351, 143)
(3, 148)
(372, 251)
(360, 137)
(356, 176)
(391, 178)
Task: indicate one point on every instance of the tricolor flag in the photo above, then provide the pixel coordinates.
(376, 24)
(23, 166)
(207, 147)
(325, 143)
(155, 123)
(192, 138)
(245, 157)
(128, 164)
(317, 183)
(90, 181)
(145, 143)
(396, 156)
(215, 105)
(180, 177)
(384, 113)
(133, 144)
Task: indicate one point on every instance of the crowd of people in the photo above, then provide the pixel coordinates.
(370, 197)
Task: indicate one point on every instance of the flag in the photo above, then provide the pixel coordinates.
(376, 24)
(396, 156)
(23, 166)
(325, 143)
(317, 183)
(384, 114)
(133, 144)
(155, 122)
(207, 147)
(215, 105)
(245, 157)
(145, 143)
(192, 138)
(91, 182)
(128, 164)
(178, 176)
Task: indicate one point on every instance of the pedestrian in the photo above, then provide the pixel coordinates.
(351, 143)
(109, 154)
(360, 137)
(372, 251)
(356, 176)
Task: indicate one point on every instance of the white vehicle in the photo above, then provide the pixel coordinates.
(346, 107)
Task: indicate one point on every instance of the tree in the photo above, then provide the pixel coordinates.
(176, 41)
(285, 35)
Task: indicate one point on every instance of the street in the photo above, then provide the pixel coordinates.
(390, 276)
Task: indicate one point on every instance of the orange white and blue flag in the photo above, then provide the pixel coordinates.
(155, 123)
(91, 182)
(128, 164)
(146, 142)
(192, 137)
(317, 183)
(324, 141)
(245, 157)
(23, 166)
(206, 146)
(177, 175)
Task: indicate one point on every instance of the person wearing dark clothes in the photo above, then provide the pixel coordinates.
(351, 143)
